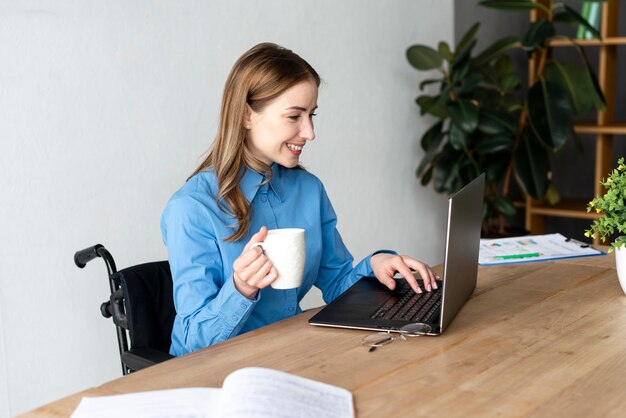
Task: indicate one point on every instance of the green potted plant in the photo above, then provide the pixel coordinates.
(612, 221)
(488, 120)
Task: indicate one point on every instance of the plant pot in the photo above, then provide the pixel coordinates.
(620, 263)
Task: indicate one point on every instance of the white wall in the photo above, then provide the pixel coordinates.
(107, 106)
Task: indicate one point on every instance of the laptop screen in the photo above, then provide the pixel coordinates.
(462, 246)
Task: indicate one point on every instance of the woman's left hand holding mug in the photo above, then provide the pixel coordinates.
(253, 270)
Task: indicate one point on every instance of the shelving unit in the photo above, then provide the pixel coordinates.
(604, 128)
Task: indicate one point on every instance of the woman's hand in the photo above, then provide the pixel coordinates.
(385, 266)
(253, 270)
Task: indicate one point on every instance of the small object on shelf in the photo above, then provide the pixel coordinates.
(584, 12)
(590, 11)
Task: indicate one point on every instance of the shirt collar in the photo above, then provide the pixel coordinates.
(251, 182)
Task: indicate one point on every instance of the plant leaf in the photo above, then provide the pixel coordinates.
(550, 113)
(432, 105)
(444, 51)
(576, 17)
(429, 81)
(496, 166)
(446, 174)
(511, 102)
(423, 57)
(470, 82)
(462, 56)
(537, 34)
(504, 206)
(495, 50)
(432, 138)
(427, 176)
(486, 97)
(503, 66)
(492, 123)
(427, 160)
(601, 103)
(576, 81)
(468, 36)
(464, 114)
(518, 6)
(456, 136)
(531, 165)
(493, 144)
(459, 72)
(509, 82)
(564, 17)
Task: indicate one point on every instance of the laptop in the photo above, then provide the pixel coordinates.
(370, 305)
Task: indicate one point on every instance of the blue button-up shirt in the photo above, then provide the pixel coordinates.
(209, 309)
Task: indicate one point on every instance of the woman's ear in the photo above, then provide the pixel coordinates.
(247, 117)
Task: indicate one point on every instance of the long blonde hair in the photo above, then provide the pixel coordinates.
(259, 76)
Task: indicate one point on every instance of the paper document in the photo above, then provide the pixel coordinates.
(251, 392)
(531, 248)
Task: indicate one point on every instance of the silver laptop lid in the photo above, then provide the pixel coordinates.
(460, 265)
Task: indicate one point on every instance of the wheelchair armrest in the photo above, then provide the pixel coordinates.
(140, 358)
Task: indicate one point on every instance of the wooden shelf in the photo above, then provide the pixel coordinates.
(603, 129)
(590, 128)
(566, 208)
(589, 42)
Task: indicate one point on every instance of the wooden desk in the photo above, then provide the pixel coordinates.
(539, 339)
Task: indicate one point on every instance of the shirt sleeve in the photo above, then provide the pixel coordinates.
(209, 308)
(336, 272)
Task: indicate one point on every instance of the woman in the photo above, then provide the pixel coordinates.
(251, 181)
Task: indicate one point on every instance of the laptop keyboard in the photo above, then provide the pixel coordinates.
(413, 307)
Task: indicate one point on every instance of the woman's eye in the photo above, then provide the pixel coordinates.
(294, 118)
(312, 114)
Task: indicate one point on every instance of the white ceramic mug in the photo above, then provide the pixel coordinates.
(285, 248)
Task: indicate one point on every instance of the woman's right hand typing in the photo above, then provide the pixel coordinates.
(253, 270)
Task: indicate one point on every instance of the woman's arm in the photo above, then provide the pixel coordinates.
(209, 307)
(337, 274)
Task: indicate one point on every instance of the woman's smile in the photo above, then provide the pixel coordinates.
(295, 149)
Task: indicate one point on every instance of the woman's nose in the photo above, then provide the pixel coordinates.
(307, 131)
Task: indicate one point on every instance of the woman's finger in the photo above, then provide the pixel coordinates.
(258, 237)
(387, 279)
(247, 258)
(258, 272)
(424, 271)
(402, 268)
(271, 276)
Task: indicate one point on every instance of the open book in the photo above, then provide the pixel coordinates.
(248, 392)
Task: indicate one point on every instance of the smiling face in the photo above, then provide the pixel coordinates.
(278, 132)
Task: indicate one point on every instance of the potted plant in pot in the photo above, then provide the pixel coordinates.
(612, 222)
(488, 120)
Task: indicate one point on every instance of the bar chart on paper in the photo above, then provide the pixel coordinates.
(531, 248)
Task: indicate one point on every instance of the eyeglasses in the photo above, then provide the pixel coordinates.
(374, 341)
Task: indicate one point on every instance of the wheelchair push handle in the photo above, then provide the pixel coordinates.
(82, 257)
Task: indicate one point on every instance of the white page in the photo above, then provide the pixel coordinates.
(257, 392)
(171, 403)
(531, 248)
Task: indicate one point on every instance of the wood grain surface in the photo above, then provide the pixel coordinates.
(536, 339)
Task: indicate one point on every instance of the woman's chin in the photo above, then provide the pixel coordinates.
(289, 163)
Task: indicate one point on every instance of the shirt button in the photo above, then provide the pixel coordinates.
(235, 318)
(263, 199)
(243, 306)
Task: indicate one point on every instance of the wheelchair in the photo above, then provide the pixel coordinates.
(141, 306)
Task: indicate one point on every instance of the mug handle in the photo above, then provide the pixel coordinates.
(258, 244)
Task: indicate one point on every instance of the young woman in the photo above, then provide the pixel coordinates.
(251, 181)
